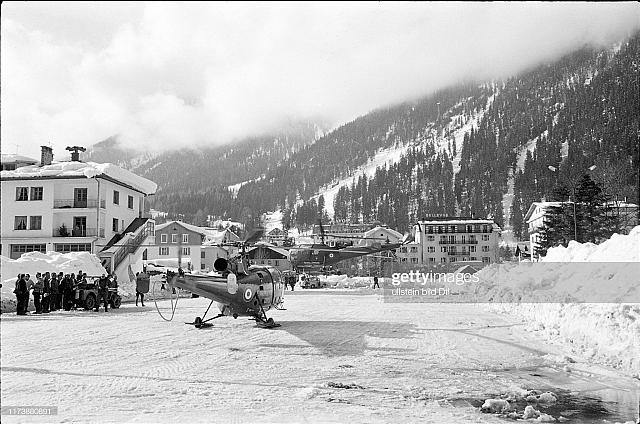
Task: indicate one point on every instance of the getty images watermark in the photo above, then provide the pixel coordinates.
(429, 284)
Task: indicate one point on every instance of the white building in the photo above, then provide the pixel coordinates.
(176, 243)
(535, 218)
(452, 240)
(626, 213)
(73, 206)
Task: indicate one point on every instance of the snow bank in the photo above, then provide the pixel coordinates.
(565, 297)
(86, 169)
(33, 262)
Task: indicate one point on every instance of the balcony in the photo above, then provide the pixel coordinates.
(75, 203)
(458, 242)
(79, 232)
(462, 253)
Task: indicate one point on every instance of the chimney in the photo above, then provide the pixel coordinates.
(75, 152)
(46, 155)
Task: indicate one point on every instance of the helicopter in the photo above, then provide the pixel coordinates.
(239, 289)
(317, 257)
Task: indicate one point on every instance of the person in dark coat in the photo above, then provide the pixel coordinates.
(103, 293)
(61, 288)
(53, 296)
(46, 290)
(375, 282)
(37, 293)
(22, 294)
(142, 286)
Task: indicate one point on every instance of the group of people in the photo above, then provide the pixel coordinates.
(52, 291)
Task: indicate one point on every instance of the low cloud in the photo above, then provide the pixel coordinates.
(169, 75)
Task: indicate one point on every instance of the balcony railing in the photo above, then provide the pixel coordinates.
(75, 203)
(458, 242)
(79, 232)
(463, 253)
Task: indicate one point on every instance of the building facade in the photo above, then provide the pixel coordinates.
(68, 206)
(455, 241)
(176, 244)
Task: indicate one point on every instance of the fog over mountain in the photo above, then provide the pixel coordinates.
(169, 75)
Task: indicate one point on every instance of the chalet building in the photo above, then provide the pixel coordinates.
(266, 254)
(75, 207)
(176, 243)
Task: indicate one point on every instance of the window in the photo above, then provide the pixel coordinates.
(472, 248)
(453, 259)
(202, 255)
(486, 260)
(21, 223)
(485, 237)
(185, 238)
(35, 222)
(431, 249)
(174, 238)
(80, 196)
(130, 202)
(186, 251)
(414, 260)
(432, 259)
(431, 238)
(164, 251)
(18, 249)
(72, 247)
(413, 249)
(114, 225)
(443, 239)
(403, 260)
(485, 248)
(443, 260)
(403, 250)
(163, 238)
(116, 197)
(36, 193)
(452, 228)
(473, 258)
(22, 193)
(276, 262)
(443, 249)
(203, 266)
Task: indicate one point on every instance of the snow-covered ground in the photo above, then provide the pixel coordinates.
(586, 296)
(338, 357)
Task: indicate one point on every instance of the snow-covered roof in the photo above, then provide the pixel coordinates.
(372, 232)
(10, 158)
(189, 227)
(83, 169)
(278, 250)
(217, 236)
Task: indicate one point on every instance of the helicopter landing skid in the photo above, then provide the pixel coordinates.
(269, 323)
(203, 323)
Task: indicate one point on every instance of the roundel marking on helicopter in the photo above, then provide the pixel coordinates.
(248, 294)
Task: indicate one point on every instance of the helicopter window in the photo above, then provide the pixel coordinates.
(261, 287)
(259, 275)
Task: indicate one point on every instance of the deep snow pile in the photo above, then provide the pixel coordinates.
(33, 262)
(345, 282)
(562, 299)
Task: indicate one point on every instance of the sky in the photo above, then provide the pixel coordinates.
(174, 75)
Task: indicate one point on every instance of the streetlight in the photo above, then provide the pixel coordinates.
(573, 191)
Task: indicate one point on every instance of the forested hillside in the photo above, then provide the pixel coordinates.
(467, 149)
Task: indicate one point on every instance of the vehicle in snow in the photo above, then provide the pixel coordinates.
(310, 282)
(87, 296)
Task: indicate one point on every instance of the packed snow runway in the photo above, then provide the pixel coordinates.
(338, 357)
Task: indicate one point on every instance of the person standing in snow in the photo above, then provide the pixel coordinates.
(53, 293)
(46, 290)
(103, 293)
(60, 301)
(37, 293)
(142, 286)
(22, 295)
(30, 285)
(375, 282)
